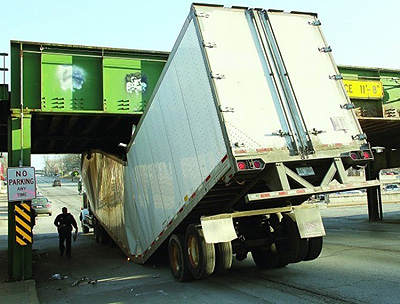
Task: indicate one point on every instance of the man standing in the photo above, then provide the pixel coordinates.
(64, 223)
(80, 186)
(83, 219)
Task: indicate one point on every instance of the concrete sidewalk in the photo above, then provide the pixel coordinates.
(19, 292)
(12, 292)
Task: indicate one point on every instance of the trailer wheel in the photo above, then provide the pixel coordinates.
(314, 248)
(201, 255)
(85, 229)
(111, 242)
(96, 229)
(103, 235)
(223, 257)
(100, 233)
(294, 249)
(266, 259)
(177, 258)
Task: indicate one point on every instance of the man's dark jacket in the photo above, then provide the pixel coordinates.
(65, 222)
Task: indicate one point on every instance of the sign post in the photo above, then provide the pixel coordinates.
(21, 186)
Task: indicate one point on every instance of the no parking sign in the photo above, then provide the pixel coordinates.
(21, 184)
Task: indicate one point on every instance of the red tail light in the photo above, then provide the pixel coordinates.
(257, 164)
(366, 155)
(241, 165)
(48, 205)
(250, 164)
(353, 156)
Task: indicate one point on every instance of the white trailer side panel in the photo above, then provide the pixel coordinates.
(163, 161)
(133, 218)
(309, 69)
(176, 146)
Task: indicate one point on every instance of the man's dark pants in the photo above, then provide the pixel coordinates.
(65, 236)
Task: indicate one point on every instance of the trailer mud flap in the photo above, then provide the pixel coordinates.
(218, 229)
(309, 221)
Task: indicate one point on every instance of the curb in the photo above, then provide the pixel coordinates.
(19, 292)
(32, 293)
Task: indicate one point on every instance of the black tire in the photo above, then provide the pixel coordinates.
(314, 248)
(100, 233)
(294, 249)
(111, 242)
(177, 258)
(96, 230)
(223, 257)
(268, 259)
(201, 255)
(85, 229)
(104, 238)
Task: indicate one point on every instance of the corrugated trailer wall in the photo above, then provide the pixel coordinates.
(104, 182)
(176, 146)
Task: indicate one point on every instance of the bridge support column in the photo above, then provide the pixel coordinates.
(375, 211)
(19, 154)
(374, 198)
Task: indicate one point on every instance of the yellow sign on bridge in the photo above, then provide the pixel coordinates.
(364, 89)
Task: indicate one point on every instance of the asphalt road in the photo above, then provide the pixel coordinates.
(360, 263)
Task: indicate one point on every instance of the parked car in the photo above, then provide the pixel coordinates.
(42, 205)
(392, 187)
(57, 182)
(349, 192)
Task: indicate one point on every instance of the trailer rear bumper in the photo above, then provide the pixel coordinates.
(257, 197)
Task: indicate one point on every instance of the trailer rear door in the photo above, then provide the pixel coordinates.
(314, 78)
(247, 96)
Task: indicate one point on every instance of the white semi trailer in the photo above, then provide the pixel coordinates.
(248, 120)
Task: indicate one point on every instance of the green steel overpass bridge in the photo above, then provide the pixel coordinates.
(72, 98)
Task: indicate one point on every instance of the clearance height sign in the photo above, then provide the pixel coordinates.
(21, 183)
(364, 89)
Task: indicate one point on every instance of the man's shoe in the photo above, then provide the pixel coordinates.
(61, 254)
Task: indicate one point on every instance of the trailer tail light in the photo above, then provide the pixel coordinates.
(241, 165)
(353, 156)
(250, 164)
(257, 164)
(366, 155)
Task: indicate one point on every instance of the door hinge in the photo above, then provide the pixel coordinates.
(210, 45)
(217, 76)
(202, 14)
(359, 137)
(315, 131)
(281, 133)
(348, 106)
(336, 77)
(227, 109)
(325, 49)
(316, 22)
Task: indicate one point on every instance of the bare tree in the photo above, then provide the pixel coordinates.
(62, 164)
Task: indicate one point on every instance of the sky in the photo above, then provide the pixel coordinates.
(360, 32)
